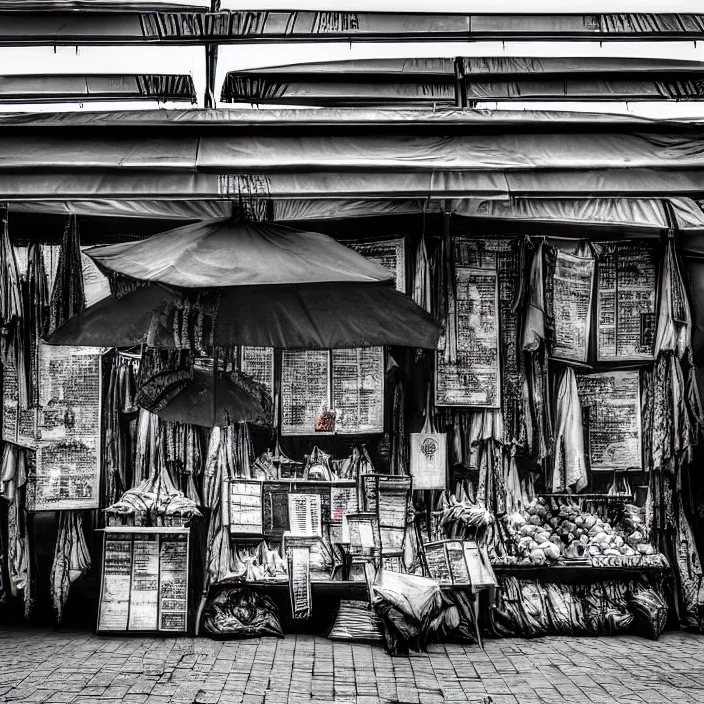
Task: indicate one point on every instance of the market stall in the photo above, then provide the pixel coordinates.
(255, 430)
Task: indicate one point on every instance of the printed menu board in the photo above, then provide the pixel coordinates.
(343, 500)
(68, 430)
(612, 404)
(245, 512)
(358, 390)
(572, 286)
(299, 582)
(116, 581)
(144, 591)
(144, 583)
(173, 582)
(626, 292)
(305, 514)
(390, 254)
(475, 379)
(305, 389)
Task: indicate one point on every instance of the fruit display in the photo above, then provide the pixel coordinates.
(570, 529)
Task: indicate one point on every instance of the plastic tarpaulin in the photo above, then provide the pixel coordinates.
(386, 185)
(400, 153)
(155, 209)
(68, 88)
(240, 253)
(379, 118)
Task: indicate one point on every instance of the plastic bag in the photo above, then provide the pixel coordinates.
(411, 609)
(318, 466)
(241, 613)
(357, 622)
(649, 611)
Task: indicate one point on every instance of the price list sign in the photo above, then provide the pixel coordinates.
(144, 581)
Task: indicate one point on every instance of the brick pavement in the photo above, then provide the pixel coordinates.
(53, 666)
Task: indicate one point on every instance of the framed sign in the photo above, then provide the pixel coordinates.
(428, 460)
(245, 514)
(573, 283)
(390, 254)
(611, 403)
(258, 362)
(67, 475)
(144, 580)
(475, 378)
(626, 293)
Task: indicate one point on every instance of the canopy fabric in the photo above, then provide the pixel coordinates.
(378, 82)
(630, 212)
(379, 118)
(289, 316)
(168, 21)
(260, 90)
(158, 210)
(386, 185)
(56, 88)
(407, 153)
(240, 253)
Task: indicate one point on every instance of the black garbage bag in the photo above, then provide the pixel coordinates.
(411, 608)
(649, 610)
(239, 612)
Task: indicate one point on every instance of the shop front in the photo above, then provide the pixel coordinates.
(478, 419)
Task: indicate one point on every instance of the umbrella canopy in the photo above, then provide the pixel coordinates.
(226, 253)
(318, 316)
(276, 287)
(234, 402)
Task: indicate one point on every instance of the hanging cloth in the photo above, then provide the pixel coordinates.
(10, 294)
(534, 326)
(67, 296)
(71, 559)
(569, 467)
(421, 279)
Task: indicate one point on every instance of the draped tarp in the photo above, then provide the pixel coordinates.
(632, 212)
(385, 185)
(148, 209)
(401, 153)
(432, 81)
(334, 117)
(189, 21)
(49, 87)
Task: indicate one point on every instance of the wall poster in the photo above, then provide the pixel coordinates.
(246, 507)
(144, 580)
(305, 389)
(258, 362)
(475, 380)
(358, 390)
(390, 254)
(68, 430)
(612, 404)
(573, 283)
(626, 292)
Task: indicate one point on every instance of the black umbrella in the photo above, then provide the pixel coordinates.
(262, 285)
